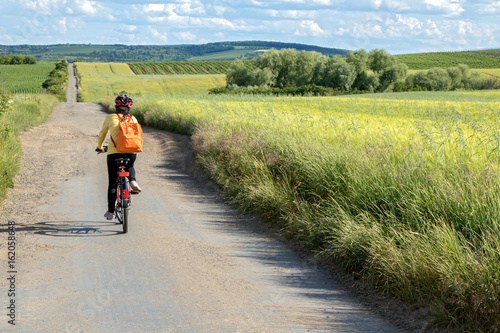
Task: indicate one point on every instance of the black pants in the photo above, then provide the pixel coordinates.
(113, 176)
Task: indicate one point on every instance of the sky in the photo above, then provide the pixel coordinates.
(397, 26)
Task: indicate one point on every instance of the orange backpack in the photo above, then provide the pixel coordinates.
(129, 136)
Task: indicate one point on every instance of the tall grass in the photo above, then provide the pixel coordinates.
(403, 193)
(26, 111)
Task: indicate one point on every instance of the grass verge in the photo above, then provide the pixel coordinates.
(24, 111)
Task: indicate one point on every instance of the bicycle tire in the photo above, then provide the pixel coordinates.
(118, 208)
(125, 220)
(125, 202)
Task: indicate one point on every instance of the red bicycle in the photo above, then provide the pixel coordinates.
(123, 197)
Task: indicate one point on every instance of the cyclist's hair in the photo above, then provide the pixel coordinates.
(122, 109)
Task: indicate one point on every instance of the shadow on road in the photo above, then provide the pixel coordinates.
(70, 228)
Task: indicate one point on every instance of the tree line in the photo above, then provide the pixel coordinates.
(371, 71)
(17, 59)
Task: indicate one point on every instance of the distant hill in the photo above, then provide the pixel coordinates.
(160, 53)
(474, 59)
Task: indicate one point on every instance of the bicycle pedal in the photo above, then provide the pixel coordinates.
(134, 192)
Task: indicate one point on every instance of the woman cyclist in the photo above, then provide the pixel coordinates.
(123, 103)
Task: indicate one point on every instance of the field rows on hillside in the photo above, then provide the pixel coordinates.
(181, 68)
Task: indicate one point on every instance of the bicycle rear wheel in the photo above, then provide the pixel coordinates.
(119, 204)
(125, 203)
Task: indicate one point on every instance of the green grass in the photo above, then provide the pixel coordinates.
(25, 79)
(27, 111)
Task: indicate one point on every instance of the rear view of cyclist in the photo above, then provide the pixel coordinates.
(123, 103)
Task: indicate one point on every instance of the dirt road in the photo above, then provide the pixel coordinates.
(189, 263)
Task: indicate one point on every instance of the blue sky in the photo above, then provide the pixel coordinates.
(398, 26)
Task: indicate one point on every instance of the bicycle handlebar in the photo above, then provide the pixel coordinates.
(104, 150)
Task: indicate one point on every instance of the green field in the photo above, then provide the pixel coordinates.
(26, 79)
(237, 53)
(473, 59)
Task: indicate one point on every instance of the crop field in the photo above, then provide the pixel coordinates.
(26, 79)
(101, 79)
(96, 68)
(400, 189)
(473, 59)
(183, 67)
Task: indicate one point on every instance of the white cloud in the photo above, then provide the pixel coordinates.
(6, 38)
(292, 14)
(42, 6)
(310, 28)
(129, 28)
(411, 22)
(447, 7)
(163, 37)
(431, 7)
(308, 2)
(61, 26)
(185, 36)
(219, 10)
(68, 7)
(490, 9)
(187, 8)
(87, 7)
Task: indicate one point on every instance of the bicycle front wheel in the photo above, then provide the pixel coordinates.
(125, 220)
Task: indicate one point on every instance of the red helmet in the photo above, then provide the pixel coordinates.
(124, 100)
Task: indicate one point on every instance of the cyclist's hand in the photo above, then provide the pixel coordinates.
(101, 151)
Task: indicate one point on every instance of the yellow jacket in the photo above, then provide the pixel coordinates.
(111, 124)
